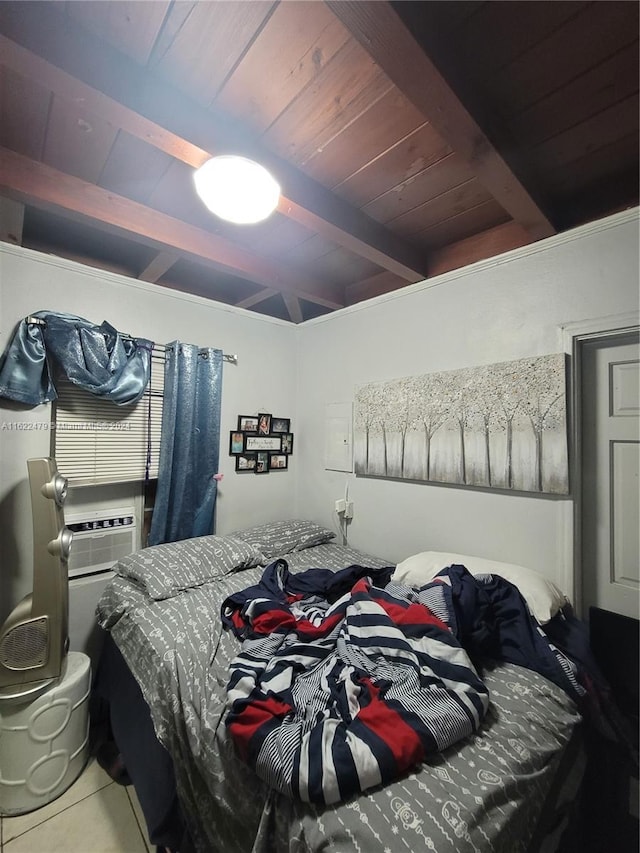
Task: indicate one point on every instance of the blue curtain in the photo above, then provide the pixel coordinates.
(190, 444)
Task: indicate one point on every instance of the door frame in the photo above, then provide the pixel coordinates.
(575, 335)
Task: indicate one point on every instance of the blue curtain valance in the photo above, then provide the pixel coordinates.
(97, 358)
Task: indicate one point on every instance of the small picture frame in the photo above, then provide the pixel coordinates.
(247, 423)
(236, 442)
(262, 442)
(264, 423)
(262, 462)
(278, 461)
(280, 424)
(246, 463)
(287, 443)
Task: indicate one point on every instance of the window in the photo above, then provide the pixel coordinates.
(94, 441)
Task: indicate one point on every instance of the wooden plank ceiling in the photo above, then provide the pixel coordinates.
(409, 138)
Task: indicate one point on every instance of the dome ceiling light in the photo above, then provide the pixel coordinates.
(237, 189)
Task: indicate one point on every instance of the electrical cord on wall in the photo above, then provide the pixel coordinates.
(342, 525)
(343, 519)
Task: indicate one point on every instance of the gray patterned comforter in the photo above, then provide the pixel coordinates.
(484, 793)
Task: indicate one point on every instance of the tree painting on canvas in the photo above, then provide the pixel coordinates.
(501, 426)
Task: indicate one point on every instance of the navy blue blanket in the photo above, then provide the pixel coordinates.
(493, 621)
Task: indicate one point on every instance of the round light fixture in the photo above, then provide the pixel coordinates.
(237, 189)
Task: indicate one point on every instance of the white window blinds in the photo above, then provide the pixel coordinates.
(94, 441)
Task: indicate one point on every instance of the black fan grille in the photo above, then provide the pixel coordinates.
(25, 646)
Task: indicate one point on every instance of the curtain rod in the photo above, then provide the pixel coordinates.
(38, 321)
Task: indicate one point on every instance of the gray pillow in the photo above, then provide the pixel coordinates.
(276, 538)
(166, 570)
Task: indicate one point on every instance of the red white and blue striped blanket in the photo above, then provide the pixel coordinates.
(332, 696)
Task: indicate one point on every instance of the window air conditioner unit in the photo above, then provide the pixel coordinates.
(101, 538)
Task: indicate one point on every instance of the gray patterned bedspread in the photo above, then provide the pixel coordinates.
(484, 793)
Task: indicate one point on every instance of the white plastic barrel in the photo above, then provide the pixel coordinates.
(44, 743)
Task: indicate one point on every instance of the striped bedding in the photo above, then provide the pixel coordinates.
(335, 694)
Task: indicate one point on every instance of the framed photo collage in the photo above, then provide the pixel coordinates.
(261, 443)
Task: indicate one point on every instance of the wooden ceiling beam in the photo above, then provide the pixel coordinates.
(50, 76)
(24, 179)
(158, 266)
(41, 44)
(292, 304)
(256, 298)
(375, 285)
(487, 244)
(382, 33)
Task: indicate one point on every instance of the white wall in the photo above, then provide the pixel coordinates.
(509, 308)
(263, 380)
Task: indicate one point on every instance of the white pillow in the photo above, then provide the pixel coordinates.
(542, 596)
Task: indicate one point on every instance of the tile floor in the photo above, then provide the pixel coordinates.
(94, 815)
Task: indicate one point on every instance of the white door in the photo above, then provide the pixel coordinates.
(610, 417)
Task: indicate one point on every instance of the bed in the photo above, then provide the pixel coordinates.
(508, 785)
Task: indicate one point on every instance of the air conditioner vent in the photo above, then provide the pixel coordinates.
(101, 538)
